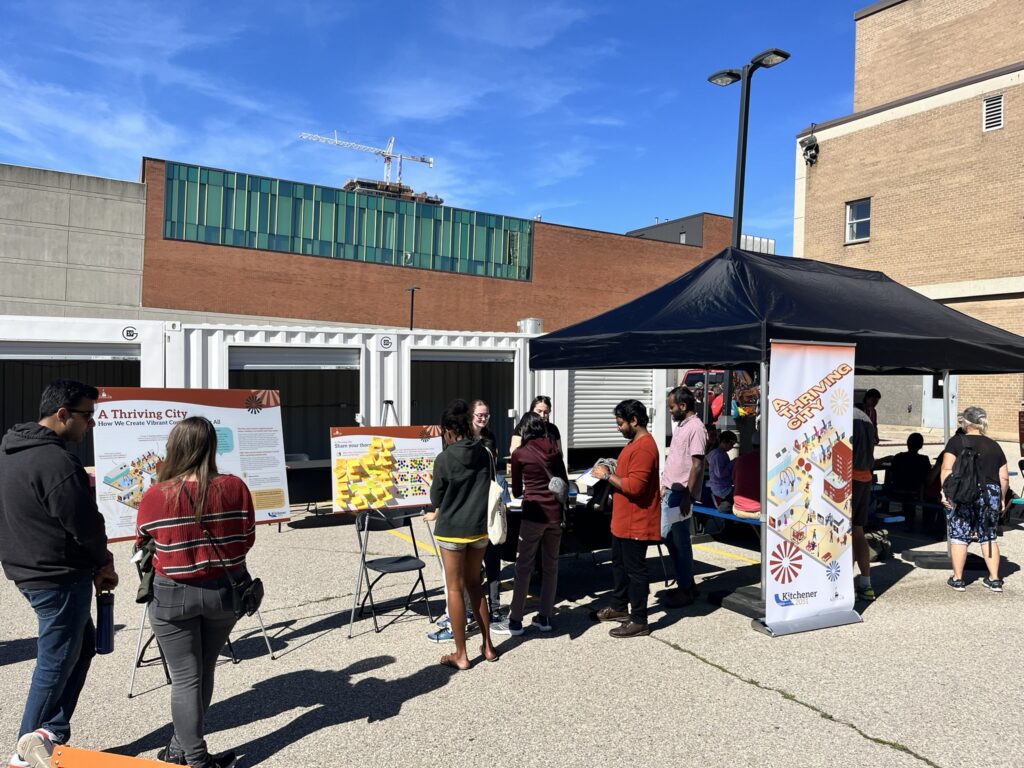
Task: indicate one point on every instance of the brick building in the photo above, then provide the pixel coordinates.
(925, 179)
(207, 245)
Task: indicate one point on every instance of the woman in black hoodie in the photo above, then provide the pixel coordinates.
(534, 463)
(458, 490)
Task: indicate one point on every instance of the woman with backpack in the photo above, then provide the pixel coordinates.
(534, 465)
(976, 462)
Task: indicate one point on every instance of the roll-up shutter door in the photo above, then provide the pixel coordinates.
(261, 358)
(594, 395)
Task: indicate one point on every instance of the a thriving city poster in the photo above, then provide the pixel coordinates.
(132, 425)
(809, 569)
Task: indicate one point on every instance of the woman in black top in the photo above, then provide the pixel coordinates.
(534, 463)
(541, 405)
(978, 520)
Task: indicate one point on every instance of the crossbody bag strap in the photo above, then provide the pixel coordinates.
(209, 537)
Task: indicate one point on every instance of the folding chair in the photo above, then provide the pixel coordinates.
(384, 566)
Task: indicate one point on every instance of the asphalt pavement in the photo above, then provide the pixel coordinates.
(928, 679)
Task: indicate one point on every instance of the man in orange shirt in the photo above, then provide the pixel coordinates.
(636, 520)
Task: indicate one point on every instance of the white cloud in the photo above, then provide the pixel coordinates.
(427, 98)
(48, 124)
(514, 25)
(563, 164)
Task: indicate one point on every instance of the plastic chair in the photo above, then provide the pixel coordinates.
(385, 566)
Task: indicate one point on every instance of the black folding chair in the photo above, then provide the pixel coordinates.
(384, 566)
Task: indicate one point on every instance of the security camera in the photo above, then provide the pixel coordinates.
(809, 144)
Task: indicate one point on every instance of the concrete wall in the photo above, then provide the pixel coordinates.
(70, 245)
(917, 45)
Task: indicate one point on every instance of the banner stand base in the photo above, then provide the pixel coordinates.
(806, 624)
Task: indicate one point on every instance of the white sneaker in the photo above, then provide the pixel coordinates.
(17, 762)
(36, 748)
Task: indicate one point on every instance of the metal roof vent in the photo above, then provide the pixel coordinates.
(992, 113)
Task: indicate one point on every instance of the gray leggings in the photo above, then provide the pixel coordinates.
(192, 623)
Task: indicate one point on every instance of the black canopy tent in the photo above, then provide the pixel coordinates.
(723, 314)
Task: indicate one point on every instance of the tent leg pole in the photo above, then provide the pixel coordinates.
(763, 430)
(945, 407)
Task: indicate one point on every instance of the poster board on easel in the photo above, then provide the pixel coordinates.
(132, 426)
(382, 467)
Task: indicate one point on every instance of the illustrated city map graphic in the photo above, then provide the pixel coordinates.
(808, 487)
(131, 479)
(377, 479)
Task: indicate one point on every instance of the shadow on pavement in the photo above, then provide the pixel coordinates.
(329, 698)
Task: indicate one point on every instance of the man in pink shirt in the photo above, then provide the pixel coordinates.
(681, 482)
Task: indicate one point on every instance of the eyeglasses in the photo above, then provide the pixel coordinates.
(88, 414)
(484, 416)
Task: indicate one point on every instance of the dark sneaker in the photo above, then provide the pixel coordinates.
(36, 748)
(631, 629)
(220, 760)
(169, 754)
(957, 584)
(510, 627)
(996, 585)
(541, 623)
(609, 614)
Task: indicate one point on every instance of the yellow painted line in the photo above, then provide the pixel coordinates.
(712, 550)
(403, 537)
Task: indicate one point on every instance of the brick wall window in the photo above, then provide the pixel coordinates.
(858, 220)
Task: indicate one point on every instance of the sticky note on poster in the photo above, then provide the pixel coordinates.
(225, 440)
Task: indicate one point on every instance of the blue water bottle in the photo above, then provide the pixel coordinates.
(104, 622)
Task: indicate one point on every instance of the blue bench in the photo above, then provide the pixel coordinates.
(702, 509)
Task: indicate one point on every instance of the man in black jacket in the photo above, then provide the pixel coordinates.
(53, 546)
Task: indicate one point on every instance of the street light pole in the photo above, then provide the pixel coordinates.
(741, 155)
(763, 60)
(412, 303)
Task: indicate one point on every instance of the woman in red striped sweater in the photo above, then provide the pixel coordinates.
(191, 509)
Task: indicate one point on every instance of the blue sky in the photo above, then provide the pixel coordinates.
(591, 114)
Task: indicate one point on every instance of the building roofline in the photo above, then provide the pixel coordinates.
(631, 232)
(874, 8)
(621, 234)
(1006, 70)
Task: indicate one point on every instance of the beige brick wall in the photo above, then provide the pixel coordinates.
(922, 44)
(1001, 396)
(947, 205)
(947, 200)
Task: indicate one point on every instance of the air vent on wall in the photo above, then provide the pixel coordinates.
(992, 113)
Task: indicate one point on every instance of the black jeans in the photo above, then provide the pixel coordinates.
(192, 623)
(629, 574)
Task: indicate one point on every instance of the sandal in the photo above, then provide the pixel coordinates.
(483, 652)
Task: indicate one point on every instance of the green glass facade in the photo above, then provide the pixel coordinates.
(206, 205)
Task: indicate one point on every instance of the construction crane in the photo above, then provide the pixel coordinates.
(387, 153)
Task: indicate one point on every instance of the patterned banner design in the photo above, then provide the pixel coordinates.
(810, 467)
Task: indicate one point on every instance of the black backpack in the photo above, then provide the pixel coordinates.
(964, 484)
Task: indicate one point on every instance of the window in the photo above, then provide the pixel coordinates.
(858, 220)
(682, 237)
(992, 113)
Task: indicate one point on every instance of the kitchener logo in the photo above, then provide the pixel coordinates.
(787, 599)
(785, 562)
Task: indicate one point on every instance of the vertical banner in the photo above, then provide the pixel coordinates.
(809, 573)
(132, 426)
(378, 467)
